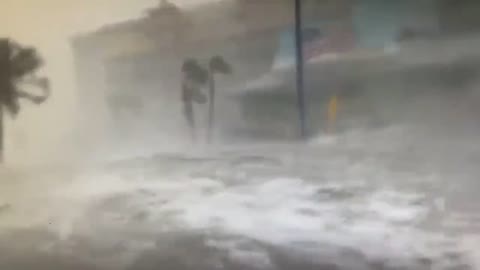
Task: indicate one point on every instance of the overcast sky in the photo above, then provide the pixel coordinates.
(47, 18)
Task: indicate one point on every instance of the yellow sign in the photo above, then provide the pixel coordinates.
(332, 114)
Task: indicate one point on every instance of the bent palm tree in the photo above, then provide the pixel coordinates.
(216, 65)
(194, 79)
(18, 65)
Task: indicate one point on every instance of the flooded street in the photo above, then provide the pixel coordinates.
(114, 182)
(384, 198)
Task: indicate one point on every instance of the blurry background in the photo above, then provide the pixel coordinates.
(398, 180)
(115, 65)
(46, 132)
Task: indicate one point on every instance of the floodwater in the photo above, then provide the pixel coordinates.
(393, 197)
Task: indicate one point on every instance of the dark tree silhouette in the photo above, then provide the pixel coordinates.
(216, 65)
(18, 66)
(195, 77)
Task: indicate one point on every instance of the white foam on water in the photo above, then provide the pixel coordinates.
(381, 222)
(279, 211)
(286, 211)
(349, 209)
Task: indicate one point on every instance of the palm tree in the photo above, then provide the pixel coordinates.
(216, 65)
(195, 77)
(18, 65)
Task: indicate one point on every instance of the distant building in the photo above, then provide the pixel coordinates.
(459, 16)
(138, 62)
(269, 105)
(133, 67)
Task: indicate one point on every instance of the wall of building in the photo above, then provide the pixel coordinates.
(142, 58)
(376, 24)
(459, 16)
(379, 23)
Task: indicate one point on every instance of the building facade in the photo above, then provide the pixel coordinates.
(377, 27)
(133, 68)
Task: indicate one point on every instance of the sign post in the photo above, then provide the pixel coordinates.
(300, 68)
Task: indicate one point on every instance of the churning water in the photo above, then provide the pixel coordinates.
(396, 197)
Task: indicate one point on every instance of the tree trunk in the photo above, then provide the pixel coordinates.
(2, 136)
(5, 76)
(211, 109)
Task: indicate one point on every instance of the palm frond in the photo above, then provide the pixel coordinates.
(194, 72)
(219, 65)
(20, 67)
(40, 82)
(11, 103)
(25, 61)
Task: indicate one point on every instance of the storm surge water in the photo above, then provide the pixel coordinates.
(399, 192)
(385, 198)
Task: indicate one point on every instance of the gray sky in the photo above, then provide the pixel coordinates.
(33, 19)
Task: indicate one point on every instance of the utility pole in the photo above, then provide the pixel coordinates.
(211, 104)
(300, 68)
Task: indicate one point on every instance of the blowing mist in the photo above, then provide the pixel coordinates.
(239, 134)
